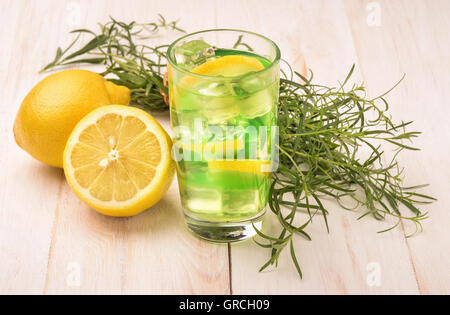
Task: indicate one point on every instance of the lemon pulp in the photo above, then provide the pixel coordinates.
(118, 160)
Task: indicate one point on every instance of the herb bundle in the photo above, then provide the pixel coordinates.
(323, 133)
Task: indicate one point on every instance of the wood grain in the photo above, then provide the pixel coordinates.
(29, 194)
(47, 234)
(414, 45)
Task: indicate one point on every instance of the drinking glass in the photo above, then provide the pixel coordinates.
(223, 88)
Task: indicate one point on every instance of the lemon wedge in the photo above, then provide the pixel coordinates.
(117, 160)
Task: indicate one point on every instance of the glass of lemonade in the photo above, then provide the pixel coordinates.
(223, 87)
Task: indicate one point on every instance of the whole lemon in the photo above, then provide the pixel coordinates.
(55, 105)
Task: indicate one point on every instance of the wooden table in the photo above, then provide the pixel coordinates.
(48, 237)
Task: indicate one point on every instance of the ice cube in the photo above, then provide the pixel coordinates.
(217, 102)
(193, 53)
(202, 200)
(257, 104)
(218, 89)
(240, 201)
(251, 83)
(257, 99)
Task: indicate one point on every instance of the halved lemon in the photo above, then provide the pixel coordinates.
(117, 160)
(247, 166)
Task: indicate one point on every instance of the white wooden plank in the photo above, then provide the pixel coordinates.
(30, 190)
(413, 39)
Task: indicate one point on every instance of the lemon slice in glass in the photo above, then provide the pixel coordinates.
(117, 160)
(259, 167)
(226, 66)
(229, 66)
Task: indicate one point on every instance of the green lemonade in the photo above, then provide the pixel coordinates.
(226, 186)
